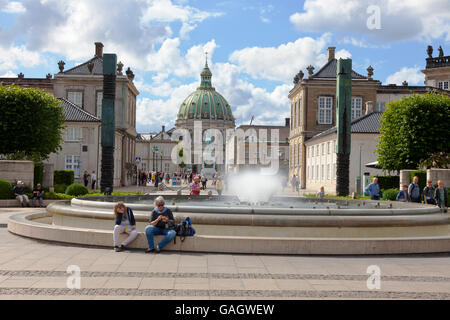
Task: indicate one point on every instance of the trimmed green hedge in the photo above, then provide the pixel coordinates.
(390, 194)
(387, 182)
(60, 188)
(66, 177)
(6, 190)
(38, 173)
(76, 190)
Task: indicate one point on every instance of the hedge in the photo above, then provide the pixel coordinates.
(6, 190)
(390, 194)
(66, 177)
(388, 182)
(76, 190)
(60, 188)
(38, 173)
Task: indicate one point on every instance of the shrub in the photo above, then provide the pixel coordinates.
(38, 173)
(63, 177)
(6, 191)
(388, 182)
(390, 194)
(60, 188)
(422, 175)
(76, 190)
(57, 196)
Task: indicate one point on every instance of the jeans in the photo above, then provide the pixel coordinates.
(40, 200)
(151, 231)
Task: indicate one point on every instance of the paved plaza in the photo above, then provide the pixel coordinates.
(31, 269)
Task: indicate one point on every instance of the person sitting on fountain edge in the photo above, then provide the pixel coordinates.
(160, 220)
(195, 187)
(125, 223)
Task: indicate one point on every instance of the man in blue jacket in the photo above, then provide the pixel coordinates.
(373, 190)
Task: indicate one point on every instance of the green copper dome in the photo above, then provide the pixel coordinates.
(205, 102)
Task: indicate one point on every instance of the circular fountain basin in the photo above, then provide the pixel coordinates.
(285, 225)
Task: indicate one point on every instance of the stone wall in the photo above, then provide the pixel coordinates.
(15, 170)
(439, 174)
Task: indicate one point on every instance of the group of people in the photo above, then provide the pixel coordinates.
(90, 176)
(38, 195)
(161, 222)
(411, 192)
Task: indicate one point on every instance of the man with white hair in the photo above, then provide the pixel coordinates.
(20, 194)
(161, 223)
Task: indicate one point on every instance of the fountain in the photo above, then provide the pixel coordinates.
(253, 223)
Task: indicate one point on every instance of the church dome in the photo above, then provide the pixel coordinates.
(205, 102)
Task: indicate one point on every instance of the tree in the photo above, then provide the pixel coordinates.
(412, 129)
(31, 123)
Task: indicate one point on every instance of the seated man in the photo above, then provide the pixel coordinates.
(321, 194)
(20, 195)
(38, 193)
(160, 221)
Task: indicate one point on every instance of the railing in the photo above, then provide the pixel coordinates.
(438, 62)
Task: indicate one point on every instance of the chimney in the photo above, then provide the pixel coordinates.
(288, 122)
(99, 49)
(369, 107)
(331, 51)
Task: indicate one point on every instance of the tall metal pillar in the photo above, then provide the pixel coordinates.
(343, 124)
(108, 121)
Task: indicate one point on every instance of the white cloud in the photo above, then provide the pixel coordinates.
(399, 19)
(166, 11)
(12, 7)
(12, 58)
(283, 62)
(411, 75)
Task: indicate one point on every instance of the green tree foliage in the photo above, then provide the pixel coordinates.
(412, 129)
(31, 123)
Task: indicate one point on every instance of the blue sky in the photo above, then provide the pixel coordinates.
(255, 47)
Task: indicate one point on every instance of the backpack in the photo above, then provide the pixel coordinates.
(184, 229)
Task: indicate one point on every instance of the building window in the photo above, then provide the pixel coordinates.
(299, 112)
(329, 147)
(356, 107)
(317, 172)
(76, 97)
(73, 134)
(166, 167)
(380, 106)
(295, 114)
(73, 163)
(323, 148)
(144, 166)
(334, 171)
(312, 151)
(443, 85)
(317, 151)
(322, 173)
(99, 104)
(325, 110)
(299, 150)
(328, 172)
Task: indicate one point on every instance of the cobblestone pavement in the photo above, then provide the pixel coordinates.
(32, 269)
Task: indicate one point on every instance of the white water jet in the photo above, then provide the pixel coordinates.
(253, 187)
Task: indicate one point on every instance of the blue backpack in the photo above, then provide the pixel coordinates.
(185, 229)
